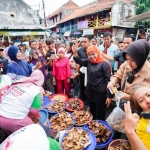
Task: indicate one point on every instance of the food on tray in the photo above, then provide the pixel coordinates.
(82, 116)
(76, 139)
(74, 104)
(59, 97)
(123, 145)
(100, 131)
(57, 106)
(61, 122)
(35, 120)
(47, 93)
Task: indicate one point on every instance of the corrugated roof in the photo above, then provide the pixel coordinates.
(70, 5)
(91, 8)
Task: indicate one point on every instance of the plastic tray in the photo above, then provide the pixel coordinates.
(91, 137)
(52, 97)
(44, 116)
(81, 104)
(74, 121)
(103, 144)
(52, 102)
(46, 101)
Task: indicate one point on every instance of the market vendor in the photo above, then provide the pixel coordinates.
(98, 76)
(31, 137)
(23, 97)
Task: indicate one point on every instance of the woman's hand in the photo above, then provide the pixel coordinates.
(111, 84)
(54, 81)
(124, 96)
(108, 102)
(68, 80)
(131, 120)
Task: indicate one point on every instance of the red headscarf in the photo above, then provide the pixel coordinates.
(94, 49)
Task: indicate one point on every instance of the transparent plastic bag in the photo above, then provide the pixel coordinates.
(116, 118)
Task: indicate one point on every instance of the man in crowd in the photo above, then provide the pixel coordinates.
(109, 49)
(122, 46)
(83, 55)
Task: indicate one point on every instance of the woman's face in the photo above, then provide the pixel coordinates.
(60, 54)
(19, 55)
(68, 48)
(93, 42)
(35, 56)
(142, 96)
(92, 56)
(131, 62)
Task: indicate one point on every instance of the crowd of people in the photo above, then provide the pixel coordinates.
(82, 68)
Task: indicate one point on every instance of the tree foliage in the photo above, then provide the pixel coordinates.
(142, 6)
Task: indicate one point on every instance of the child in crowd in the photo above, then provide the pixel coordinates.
(61, 72)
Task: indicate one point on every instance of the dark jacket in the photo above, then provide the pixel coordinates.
(119, 58)
(98, 76)
(82, 53)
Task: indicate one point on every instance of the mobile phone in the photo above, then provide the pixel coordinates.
(145, 115)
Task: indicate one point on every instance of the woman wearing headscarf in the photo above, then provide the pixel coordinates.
(17, 68)
(31, 137)
(134, 70)
(61, 72)
(98, 76)
(23, 98)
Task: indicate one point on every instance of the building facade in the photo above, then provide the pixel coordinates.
(19, 19)
(60, 14)
(98, 17)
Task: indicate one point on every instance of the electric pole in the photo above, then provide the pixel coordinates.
(44, 13)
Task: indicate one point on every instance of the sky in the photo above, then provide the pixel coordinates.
(52, 5)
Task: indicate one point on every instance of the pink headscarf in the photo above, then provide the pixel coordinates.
(61, 50)
(36, 78)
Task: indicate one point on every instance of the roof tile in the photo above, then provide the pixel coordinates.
(70, 5)
(91, 8)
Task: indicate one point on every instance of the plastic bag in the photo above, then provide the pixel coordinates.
(116, 118)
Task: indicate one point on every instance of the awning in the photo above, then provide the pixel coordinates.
(140, 17)
(23, 27)
(21, 33)
(67, 33)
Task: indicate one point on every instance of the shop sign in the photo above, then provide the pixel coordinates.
(88, 32)
(82, 24)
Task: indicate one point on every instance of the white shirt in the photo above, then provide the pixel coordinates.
(31, 137)
(71, 60)
(16, 104)
(4, 84)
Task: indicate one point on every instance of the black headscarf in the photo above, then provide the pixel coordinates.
(138, 51)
